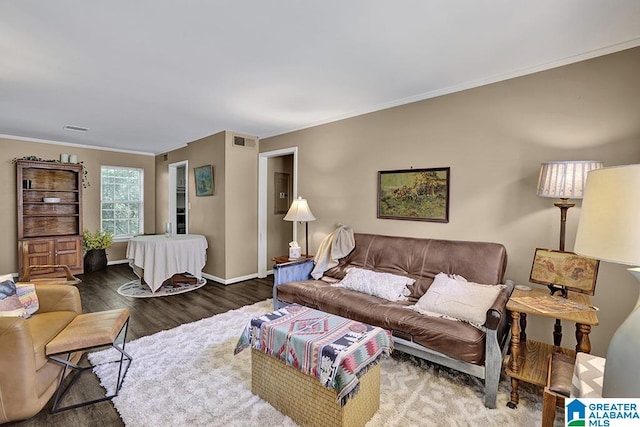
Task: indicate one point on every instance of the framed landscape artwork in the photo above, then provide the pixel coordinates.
(204, 180)
(574, 272)
(414, 194)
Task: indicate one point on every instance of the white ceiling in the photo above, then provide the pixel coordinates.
(152, 75)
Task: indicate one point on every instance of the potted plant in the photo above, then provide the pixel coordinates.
(95, 245)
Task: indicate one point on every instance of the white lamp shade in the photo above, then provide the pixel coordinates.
(609, 227)
(299, 211)
(565, 179)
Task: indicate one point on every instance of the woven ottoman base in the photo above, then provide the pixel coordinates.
(305, 400)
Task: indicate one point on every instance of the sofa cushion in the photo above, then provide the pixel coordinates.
(423, 259)
(455, 297)
(384, 285)
(456, 339)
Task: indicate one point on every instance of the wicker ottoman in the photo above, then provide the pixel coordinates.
(304, 399)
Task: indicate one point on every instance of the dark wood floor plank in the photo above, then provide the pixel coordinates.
(99, 292)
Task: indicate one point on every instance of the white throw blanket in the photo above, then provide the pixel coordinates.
(336, 245)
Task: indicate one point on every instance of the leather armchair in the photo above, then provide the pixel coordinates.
(27, 378)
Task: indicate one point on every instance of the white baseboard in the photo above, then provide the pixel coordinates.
(229, 281)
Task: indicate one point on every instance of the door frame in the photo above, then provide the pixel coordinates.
(263, 162)
(173, 189)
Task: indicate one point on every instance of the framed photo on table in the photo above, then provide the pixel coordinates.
(566, 269)
(204, 180)
(414, 194)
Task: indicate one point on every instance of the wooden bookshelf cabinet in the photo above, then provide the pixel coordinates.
(49, 232)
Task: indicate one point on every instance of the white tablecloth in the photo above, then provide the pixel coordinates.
(161, 257)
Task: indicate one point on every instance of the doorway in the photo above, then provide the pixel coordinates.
(179, 197)
(268, 206)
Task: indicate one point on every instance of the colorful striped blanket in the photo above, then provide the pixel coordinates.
(331, 348)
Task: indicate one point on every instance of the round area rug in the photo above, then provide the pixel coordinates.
(136, 289)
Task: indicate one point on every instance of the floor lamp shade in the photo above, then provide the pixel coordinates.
(609, 230)
(564, 179)
(299, 211)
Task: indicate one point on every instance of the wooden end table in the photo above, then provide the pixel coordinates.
(89, 331)
(528, 360)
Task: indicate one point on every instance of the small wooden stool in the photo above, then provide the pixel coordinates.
(85, 332)
(558, 388)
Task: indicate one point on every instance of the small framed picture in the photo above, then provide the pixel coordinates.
(204, 180)
(414, 194)
(572, 271)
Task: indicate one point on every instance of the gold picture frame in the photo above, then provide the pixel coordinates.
(564, 269)
(414, 194)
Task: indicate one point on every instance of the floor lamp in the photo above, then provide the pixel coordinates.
(609, 230)
(564, 180)
(299, 211)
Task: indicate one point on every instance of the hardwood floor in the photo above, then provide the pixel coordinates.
(148, 315)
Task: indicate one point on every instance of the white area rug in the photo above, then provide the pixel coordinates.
(189, 376)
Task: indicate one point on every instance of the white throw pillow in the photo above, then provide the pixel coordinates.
(453, 296)
(384, 285)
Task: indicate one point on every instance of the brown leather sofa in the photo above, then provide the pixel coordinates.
(27, 378)
(451, 343)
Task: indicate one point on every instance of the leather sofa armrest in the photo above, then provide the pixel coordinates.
(499, 307)
(58, 298)
(17, 370)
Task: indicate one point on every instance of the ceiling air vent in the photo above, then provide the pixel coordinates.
(243, 142)
(75, 128)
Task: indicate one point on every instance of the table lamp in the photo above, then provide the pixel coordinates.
(609, 230)
(299, 211)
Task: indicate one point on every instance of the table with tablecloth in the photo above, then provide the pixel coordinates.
(330, 348)
(156, 258)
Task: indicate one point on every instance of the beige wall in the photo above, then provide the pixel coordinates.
(92, 160)
(228, 219)
(494, 138)
(241, 209)
(206, 213)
